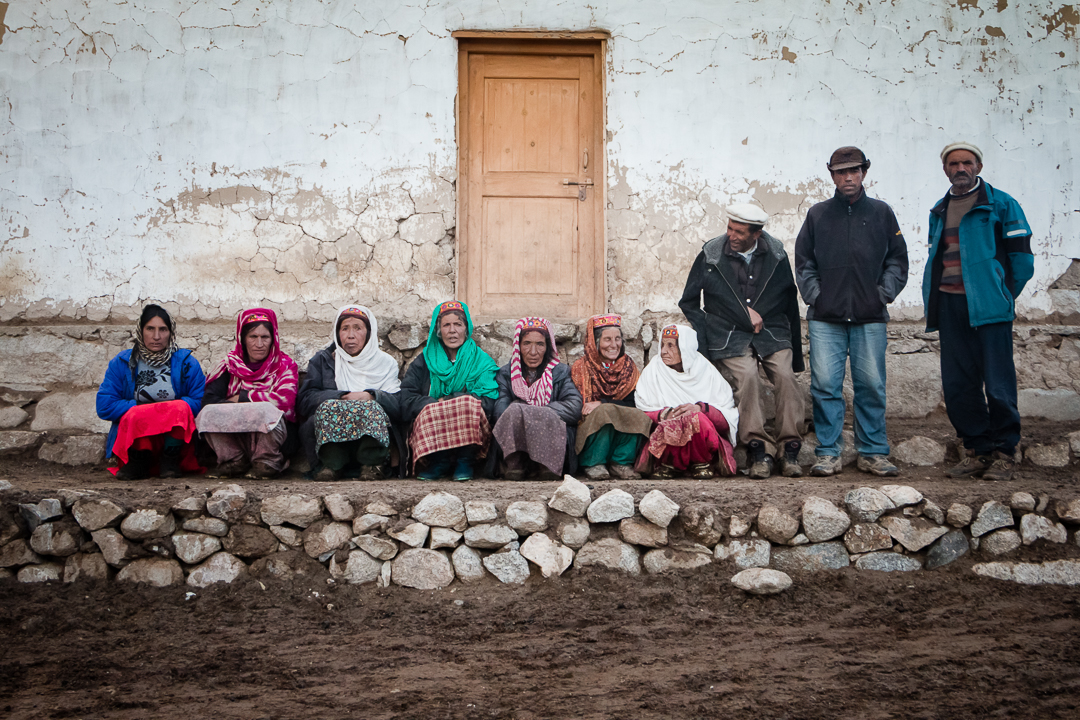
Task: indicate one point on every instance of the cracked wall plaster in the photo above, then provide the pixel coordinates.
(302, 155)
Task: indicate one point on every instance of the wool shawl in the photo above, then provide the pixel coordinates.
(539, 393)
(274, 380)
(472, 370)
(661, 386)
(594, 376)
(372, 368)
(153, 359)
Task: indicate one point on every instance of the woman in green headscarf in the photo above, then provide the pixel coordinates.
(448, 394)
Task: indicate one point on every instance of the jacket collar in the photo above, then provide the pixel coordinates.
(841, 199)
(983, 199)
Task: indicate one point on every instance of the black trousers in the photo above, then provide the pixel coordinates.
(978, 378)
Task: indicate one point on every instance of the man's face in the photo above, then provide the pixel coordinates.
(740, 237)
(962, 167)
(849, 181)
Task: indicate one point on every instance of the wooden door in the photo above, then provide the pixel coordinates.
(531, 180)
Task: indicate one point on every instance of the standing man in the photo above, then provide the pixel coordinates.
(850, 262)
(751, 317)
(980, 260)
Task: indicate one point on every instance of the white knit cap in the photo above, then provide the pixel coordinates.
(962, 145)
(746, 213)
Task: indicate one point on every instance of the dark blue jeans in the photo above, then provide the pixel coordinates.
(978, 378)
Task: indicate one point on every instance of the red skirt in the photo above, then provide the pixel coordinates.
(144, 427)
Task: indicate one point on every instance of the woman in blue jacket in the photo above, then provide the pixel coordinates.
(152, 393)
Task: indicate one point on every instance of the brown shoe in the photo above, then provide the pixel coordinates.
(879, 465)
(1002, 467)
(663, 472)
(624, 472)
(701, 471)
(971, 465)
(262, 471)
(231, 469)
(326, 474)
(789, 461)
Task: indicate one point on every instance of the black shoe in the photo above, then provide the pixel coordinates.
(170, 462)
(137, 467)
(760, 462)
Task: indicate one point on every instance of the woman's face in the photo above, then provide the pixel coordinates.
(352, 335)
(156, 334)
(533, 346)
(610, 343)
(257, 343)
(452, 330)
(669, 353)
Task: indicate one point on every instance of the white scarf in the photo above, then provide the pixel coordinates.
(662, 387)
(372, 369)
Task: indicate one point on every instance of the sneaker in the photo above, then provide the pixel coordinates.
(170, 463)
(1002, 467)
(877, 465)
(761, 463)
(701, 471)
(463, 470)
(624, 472)
(789, 461)
(970, 465)
(326, 474)
(663, 472)
(435, 471)
(826, 465)
(137, 467)
(596, 472)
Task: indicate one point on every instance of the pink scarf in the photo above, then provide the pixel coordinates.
(539, 393)
(275, 380)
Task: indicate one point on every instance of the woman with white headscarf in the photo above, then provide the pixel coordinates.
(345, 396)
(693, 409)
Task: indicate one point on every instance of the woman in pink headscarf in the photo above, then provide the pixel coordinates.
(250, 400)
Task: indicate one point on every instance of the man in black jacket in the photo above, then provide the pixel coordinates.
(850, 262)
(750, 316)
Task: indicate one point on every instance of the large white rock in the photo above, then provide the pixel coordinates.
(527, 517)
(290, 536)
(738, 526)
(867, 504)
(422, 569)
(915, 534)
(959, 515)
(368, 522)
(1000, 542)
(340, 507)
(612, 506)
(69, 411)
(1068, 510)
(1036, 527)
(443, 538)
(85, 566)
(191, 507)
(192, 547)
(74, 450)
(11, 417)
(574, 532)
(158, 572)
(776, 525)
(59, 539)
(572, 497)
(13, 442)
(610, 553)
(745, 553)
(221, 567)
(639, 531)
(440, 509)
(664, 560)
(822, 520)
(888, 562)
(480, 511)
(867, 537)
(1059, 404)
(920, 451)
(414, 534)
(325, 536)
(377, 547)
(491, 536)
(992, 515)
(114, 546)
(359, 569)
(551, 557)
(227, 502)
(1055, 572)
(508, 567)
(761, 581)
(148, 524)
(468, 565)
(1022, 501)
(902, 495)
(44, 572)
(658, 508)
(207, 525)
(1052, 455)
(379, 508)
(297, 510)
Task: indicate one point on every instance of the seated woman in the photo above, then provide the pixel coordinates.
(250, 401)
(151, 394)
(612, 427)
(448, 394)
(693, 408)
(538, 407)
(346, 396)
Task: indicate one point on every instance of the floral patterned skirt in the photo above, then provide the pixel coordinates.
(345, 420)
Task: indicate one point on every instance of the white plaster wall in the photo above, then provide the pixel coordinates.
(221, 154)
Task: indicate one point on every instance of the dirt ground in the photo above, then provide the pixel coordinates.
(591, 644)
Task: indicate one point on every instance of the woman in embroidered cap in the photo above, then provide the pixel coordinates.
(693, 408)
(448, 394)
(612, 427)
(347, 398)
(249, 409)
(538, 408)
(151, 393)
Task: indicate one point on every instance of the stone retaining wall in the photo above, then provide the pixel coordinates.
(230, 534)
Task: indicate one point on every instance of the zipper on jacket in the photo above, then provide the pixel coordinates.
(735, 293)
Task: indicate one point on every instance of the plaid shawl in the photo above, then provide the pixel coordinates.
(450, 424)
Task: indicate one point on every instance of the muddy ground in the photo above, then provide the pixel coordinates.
(591, 644)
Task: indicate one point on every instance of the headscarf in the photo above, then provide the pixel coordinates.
(539, 393)
(274, 380)
(472, 371)
(161, 357)
(661, 386)
(371, 369)
(597, 378)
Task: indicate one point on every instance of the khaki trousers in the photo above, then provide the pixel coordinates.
(742, 374)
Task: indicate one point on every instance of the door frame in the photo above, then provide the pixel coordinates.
(593, 43)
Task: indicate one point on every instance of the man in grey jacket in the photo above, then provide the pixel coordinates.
(750, 316)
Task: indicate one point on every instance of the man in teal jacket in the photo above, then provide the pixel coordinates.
(980, 260)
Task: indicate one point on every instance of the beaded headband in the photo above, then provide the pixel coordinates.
(533, 323)
(601, 321)
(354, 312)
(256, 317)
(670, 332)
(451, 305)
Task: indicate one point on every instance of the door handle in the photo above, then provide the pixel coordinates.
(582, 187)
(585, 159)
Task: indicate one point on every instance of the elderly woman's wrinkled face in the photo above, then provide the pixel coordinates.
(669, 353)
(352, 335)
(257, 342)
(610, 344)
(533, 347)
(156, 335)
(452, 330)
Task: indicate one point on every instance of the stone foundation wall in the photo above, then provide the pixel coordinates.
(233, 533)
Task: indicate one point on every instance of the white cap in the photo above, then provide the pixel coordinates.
(746, 213)
(962, 145)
